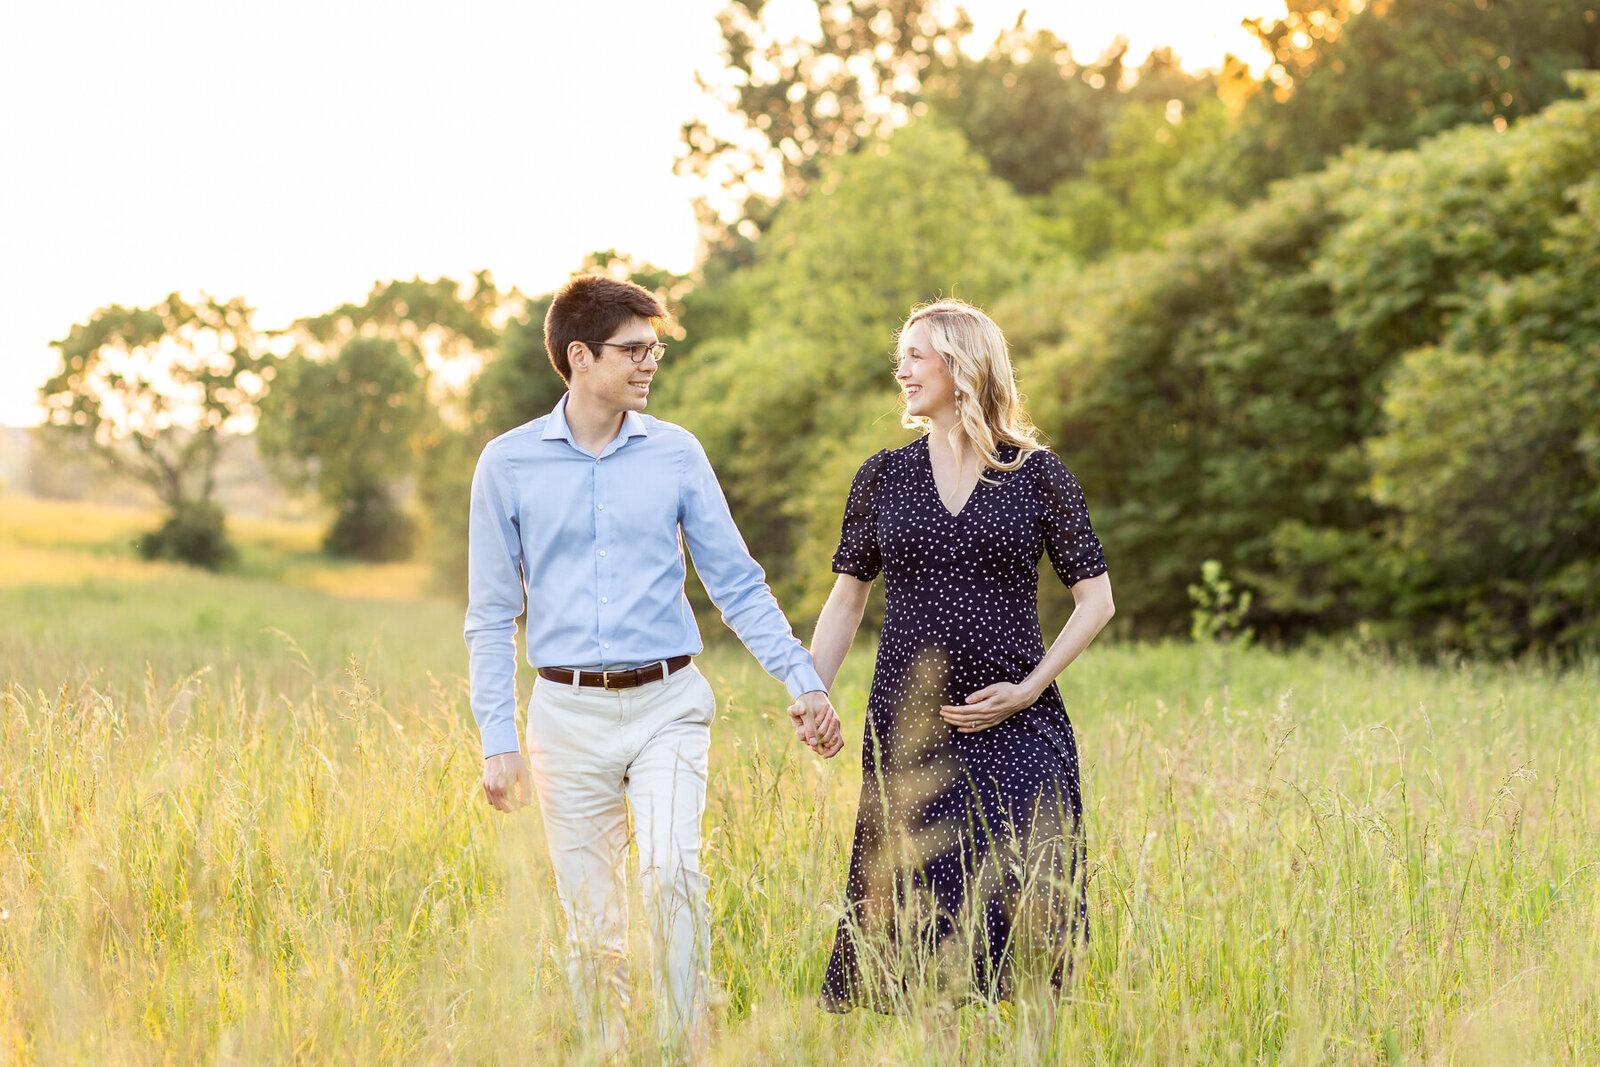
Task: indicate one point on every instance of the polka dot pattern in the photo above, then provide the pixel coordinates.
(968, 847)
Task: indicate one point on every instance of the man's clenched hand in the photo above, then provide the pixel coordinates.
(506, 782)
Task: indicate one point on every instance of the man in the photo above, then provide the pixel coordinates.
(580, 511)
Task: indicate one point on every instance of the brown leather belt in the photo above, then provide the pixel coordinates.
(626, 679)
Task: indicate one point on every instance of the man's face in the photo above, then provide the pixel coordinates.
(612, 378)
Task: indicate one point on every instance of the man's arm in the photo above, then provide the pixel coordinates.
(738, 587)
(494, 600)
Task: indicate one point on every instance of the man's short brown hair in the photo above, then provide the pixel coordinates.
(590, 308)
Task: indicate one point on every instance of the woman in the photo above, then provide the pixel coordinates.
(967, 870)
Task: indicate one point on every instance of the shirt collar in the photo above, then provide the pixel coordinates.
(556, 428)
(633, 426)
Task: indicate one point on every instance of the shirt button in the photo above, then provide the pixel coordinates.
(606, 645)
(602, 507)
(605, 600)
(602, 551)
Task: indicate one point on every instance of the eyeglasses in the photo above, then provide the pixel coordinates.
(637, 352)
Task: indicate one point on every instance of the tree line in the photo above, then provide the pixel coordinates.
(1334, 328)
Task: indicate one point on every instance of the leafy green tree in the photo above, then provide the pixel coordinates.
(1389, 73)
(798, 102)
(1112, 159)
(446, 328)
(1298, 392)
(367, 389)
(429, 319)
(1039, 117)
(151, 392)
(518, 383)
(344, 428)
(1489, 457)
(1028, 108)
(1202, 400)
(1159, 172)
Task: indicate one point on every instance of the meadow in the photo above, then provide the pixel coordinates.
(240, 823)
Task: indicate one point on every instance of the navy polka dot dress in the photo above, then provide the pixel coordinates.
(968, 859)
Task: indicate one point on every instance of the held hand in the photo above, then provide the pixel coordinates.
(507, 785)
(804, 727)
(817, 724)
(989, 706)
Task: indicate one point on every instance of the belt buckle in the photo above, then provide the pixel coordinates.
(605, 681)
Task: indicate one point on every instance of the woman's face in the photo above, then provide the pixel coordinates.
(929, 388)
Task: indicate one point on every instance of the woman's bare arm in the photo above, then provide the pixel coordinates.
(837, 625)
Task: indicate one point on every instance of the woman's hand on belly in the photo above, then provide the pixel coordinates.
(989, 706)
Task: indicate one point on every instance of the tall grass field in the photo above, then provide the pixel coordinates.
(240, 822)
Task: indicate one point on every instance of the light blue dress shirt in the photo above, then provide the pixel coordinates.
(593, 543)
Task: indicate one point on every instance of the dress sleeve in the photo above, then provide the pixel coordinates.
(1068, 537)
(858, 553)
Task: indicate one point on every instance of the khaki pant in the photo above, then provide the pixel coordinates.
(596, 753)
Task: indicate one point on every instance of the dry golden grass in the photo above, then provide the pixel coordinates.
(70, 523)
(65, 542)
(239, 823)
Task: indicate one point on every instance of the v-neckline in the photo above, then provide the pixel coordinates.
(933, 482)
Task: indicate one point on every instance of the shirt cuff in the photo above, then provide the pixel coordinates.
(804, 679)
(500, 738)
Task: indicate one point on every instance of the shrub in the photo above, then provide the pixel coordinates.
(195, 534)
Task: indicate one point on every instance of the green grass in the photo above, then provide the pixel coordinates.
(239, 822)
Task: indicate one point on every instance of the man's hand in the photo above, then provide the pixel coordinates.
(817, 724)
(507, 784)
(989, 706)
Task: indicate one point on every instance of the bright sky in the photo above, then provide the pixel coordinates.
(296, 152)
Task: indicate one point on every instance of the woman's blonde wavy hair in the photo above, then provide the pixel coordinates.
(987, 401)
